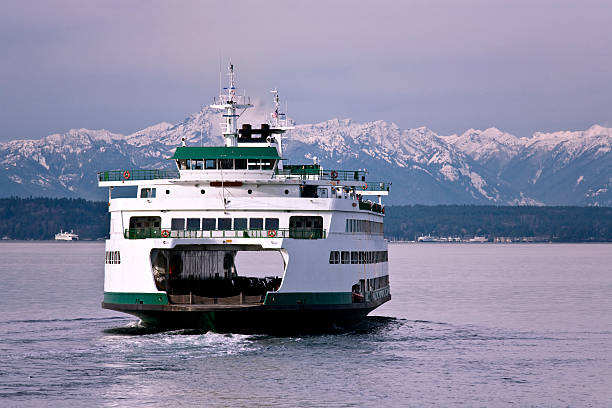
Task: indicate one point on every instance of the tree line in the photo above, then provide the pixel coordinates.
(42, 218)
(558, 224)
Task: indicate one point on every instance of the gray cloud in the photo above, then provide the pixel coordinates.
(449, 65)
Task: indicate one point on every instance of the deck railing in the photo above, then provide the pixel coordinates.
(139, 174)
(295, 233)
(376, 186)
(307, 173)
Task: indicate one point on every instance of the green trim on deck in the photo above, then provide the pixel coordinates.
(221, 152)
(308, 298)
(131, 298)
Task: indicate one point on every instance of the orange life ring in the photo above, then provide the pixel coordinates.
(126, 175)
(365, 186)
(165, 233)
(271, 233)
(334, 174)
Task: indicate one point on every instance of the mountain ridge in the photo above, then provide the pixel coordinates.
(475, 167)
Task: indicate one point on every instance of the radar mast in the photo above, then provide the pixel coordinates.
(231, 104)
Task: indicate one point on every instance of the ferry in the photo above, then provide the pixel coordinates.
(66, 236)
(170, 258)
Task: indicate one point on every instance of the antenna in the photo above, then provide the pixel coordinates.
(230, 103)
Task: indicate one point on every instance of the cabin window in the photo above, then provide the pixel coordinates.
(256, 223)
(334, 257)
(197, 164)
(361, 257)
(354, 257)
(267, 164)
(210, 164)
(182, 164)
(226, 164)
(148, 192)
(271, 223)
(193, 224)
(241, 164)
(240, 224)
(346, 257)
(224, 224)
(209, 224)
(306, 227)
(144, 222)
(177, 224)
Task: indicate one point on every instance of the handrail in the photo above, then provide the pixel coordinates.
(295, 233)
(137, 174)
(308, 173)
(376, 186)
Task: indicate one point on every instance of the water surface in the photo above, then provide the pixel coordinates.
(469, 325)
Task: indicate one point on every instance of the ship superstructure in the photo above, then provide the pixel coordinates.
(170, 259)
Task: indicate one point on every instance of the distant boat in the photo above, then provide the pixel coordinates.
(66, 236)
(478, 239)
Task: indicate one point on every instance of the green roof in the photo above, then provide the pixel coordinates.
(225, 153)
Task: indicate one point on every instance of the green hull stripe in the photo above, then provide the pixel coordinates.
(136, 298)
(308, 298)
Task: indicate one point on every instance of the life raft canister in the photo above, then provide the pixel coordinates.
(165, 233)
(365, 186)
(334, 174)
(271, 233)
(126, 175)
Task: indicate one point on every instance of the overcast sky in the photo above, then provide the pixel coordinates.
(521, 66)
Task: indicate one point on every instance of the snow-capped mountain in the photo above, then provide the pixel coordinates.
(478, 166)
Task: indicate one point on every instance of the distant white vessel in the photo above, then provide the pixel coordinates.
(66, 236)
(478, 239)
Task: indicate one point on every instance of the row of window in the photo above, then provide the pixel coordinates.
(224, 224)
(367, 226)
(357, 257)
(226, 164)
(112, 257)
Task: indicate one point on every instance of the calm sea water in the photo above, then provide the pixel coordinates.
(469, 325)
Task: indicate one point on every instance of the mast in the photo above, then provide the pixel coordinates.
(231, 104)
(279, 126)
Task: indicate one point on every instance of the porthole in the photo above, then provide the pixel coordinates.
(250, 191)
(167, 191)
(202, 191)
(286, 191)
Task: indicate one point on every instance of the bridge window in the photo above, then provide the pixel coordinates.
(224, 224)
(346, 257)
(193, 224)
(271, 223)
(209, 224)
(240, 224)
(210, 164)
(226, 164)
(354, 257)
(197, 164)
(145, 222)
(177, 224)
(256, 223)
(241, 164)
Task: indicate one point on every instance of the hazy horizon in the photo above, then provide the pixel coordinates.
(450, 66)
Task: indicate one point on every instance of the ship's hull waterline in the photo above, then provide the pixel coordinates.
(260, 318)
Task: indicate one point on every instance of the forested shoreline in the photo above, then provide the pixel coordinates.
(41, 218)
